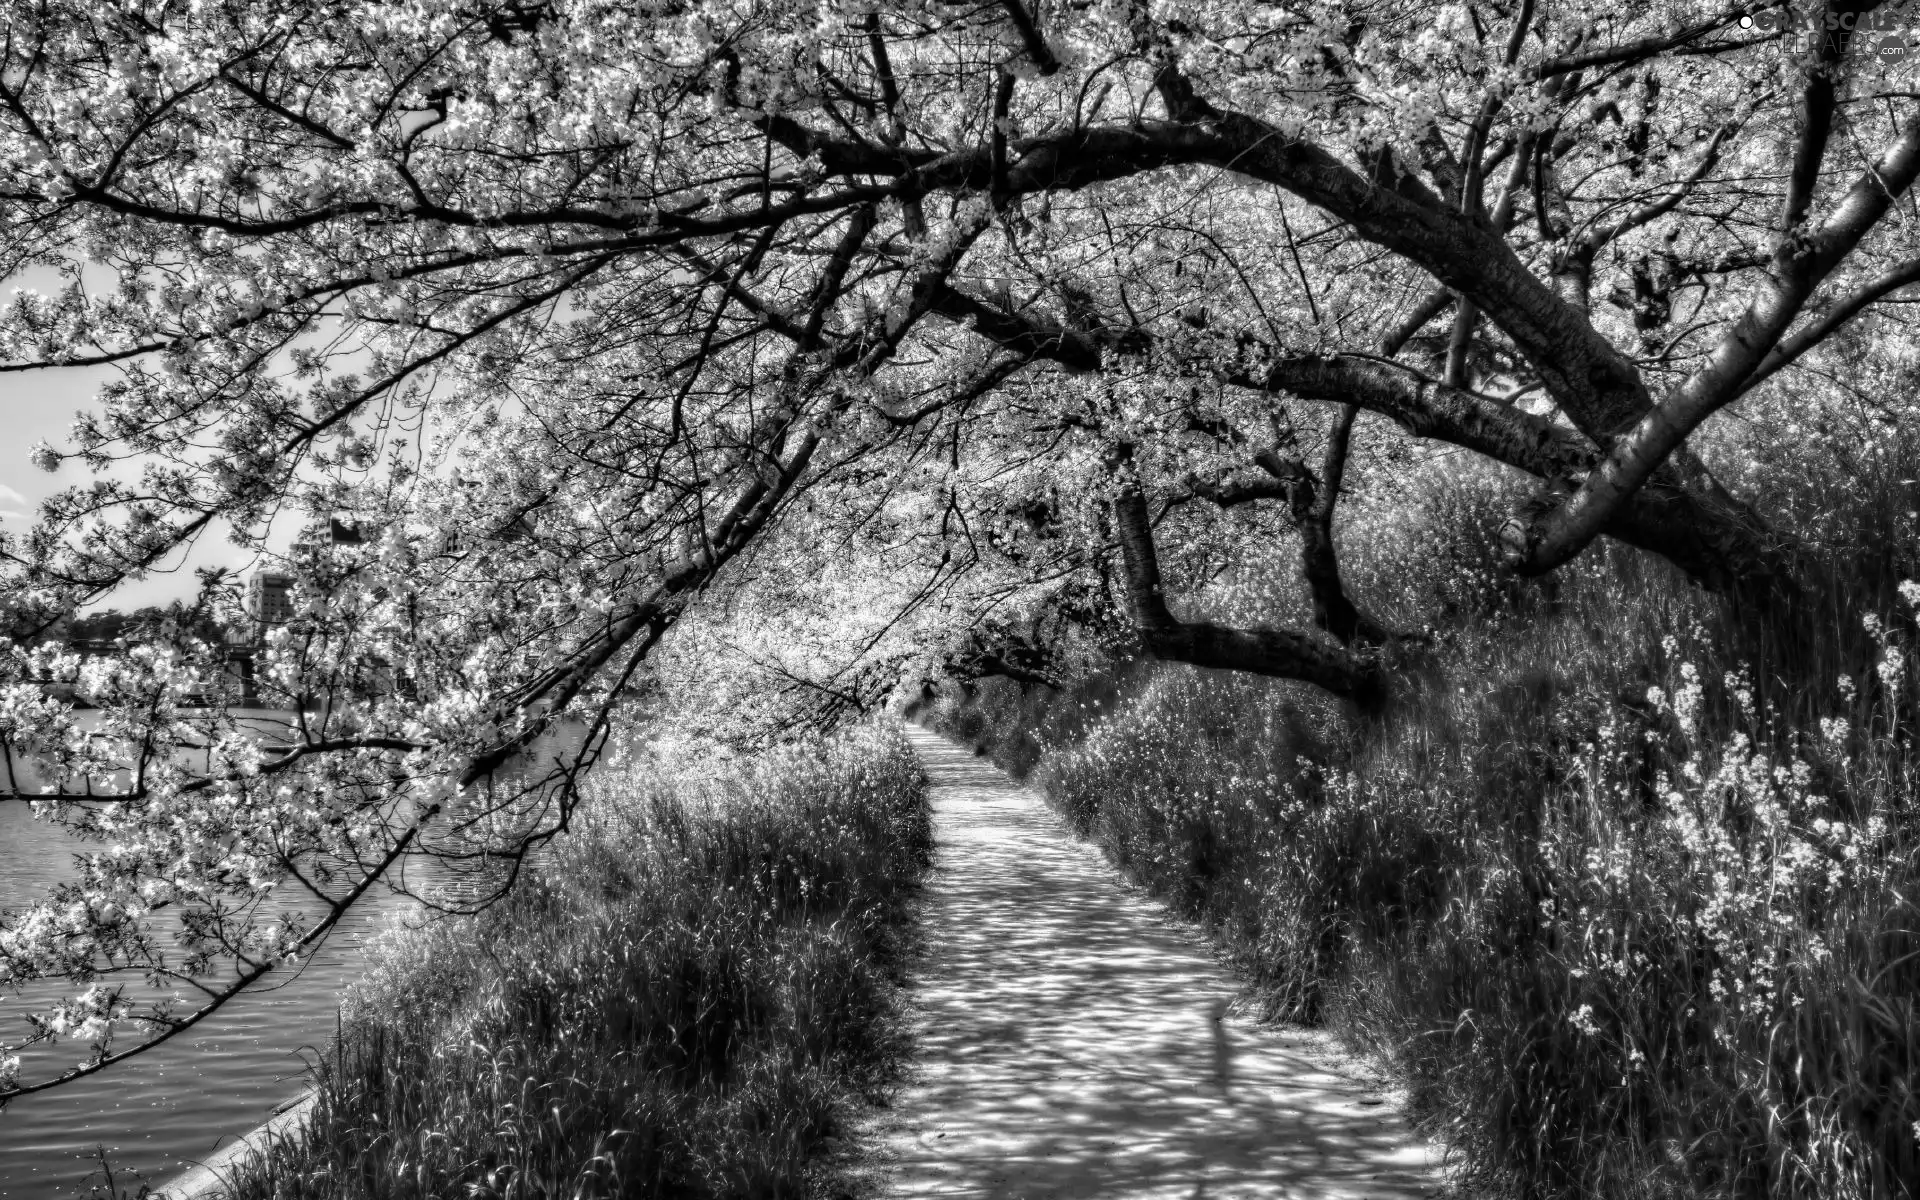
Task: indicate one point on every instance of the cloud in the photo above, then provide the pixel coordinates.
(13, 506)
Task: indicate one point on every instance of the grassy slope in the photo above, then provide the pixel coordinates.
(1632, 923)
(683, 1008)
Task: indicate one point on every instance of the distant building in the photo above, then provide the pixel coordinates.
(315, 540)
(269, 598)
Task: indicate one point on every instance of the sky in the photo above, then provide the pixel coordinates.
(39, 406)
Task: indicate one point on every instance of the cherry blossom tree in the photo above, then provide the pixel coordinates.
(601, 319)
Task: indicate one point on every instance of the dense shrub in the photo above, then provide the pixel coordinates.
(678, 1003)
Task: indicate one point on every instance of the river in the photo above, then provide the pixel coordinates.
(173, 1105)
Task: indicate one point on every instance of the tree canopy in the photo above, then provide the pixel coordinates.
(856, 340)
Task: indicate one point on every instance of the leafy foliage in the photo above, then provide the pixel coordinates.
(750, 357)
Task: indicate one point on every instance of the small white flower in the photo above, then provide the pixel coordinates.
(1892, 663)
(1582, 1019)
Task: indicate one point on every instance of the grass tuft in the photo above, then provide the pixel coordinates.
(680, 1003)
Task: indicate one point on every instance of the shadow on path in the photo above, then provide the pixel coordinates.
(1073, 1043)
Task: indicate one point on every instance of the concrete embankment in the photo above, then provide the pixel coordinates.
(209, 1179)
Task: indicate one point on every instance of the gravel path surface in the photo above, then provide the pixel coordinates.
(1073, 1042)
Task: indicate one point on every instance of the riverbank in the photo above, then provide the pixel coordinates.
(688, 1000)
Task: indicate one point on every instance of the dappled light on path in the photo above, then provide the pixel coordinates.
(1072, 1042)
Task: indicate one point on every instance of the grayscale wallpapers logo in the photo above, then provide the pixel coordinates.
(1889, 33)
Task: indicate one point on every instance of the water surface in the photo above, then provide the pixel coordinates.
(171, 1106)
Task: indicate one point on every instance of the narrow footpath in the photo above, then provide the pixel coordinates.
(1073, 1042)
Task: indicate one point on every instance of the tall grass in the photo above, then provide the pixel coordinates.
(679, 1003)
(1628, 898)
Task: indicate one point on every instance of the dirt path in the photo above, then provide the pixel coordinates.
(1069, 1046)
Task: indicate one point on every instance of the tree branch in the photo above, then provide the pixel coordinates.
(1031, 37)
(1843, 310)
(1559, 534)
(1277, 653)
(1644, 48)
